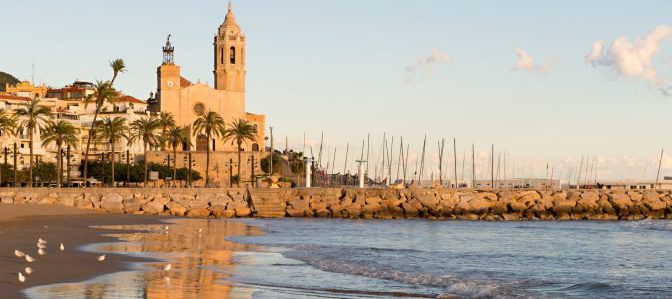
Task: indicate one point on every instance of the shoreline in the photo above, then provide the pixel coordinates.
(22, 225)
(138, 248)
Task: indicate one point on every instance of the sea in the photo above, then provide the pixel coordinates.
(325, 258)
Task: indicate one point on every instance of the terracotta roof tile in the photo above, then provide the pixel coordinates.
(11, 97)
(130, 99)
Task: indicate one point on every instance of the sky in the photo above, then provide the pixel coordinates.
(546, 82)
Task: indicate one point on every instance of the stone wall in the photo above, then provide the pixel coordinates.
(491, 205)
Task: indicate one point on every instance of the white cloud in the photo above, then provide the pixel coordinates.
(633, 59)
(526, 63)
(427, 64)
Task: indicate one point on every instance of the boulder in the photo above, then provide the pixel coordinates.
(153, 207)
(112, 202)
(243, 212)
(219, 213)
(176, 209)
(198, 213)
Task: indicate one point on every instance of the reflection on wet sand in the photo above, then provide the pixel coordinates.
(194, 247)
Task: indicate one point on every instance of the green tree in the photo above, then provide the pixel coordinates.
(32, 117)
(209, 124)
(144, 130)
(266, 163)
(104, 92)
(175, 137)
(61, 133)
(7, 128)
(240, 131)
(166, 122)
(112, 130)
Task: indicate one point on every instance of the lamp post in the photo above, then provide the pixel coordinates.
(67, 174)
(190, 167)
(230, 164)
(16, 173)
(251, 161)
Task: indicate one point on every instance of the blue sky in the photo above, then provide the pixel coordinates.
(340, 67)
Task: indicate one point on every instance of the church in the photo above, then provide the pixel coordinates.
(186, 100)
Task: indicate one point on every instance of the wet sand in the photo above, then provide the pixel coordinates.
(22, 225)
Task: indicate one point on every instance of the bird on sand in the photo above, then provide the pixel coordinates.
(62, 247)
(167, 267)
(166, 227)
(41, 252)
(28, 270)
(40, 240)
(19, 253)
(21, 277)
(200, 230)
(30, 259)
(101, 258)
(41, 246)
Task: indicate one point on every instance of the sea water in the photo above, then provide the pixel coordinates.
(310, 258)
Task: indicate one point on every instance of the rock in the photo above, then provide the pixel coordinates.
(176, 209)
(198, 213)
(243, 212)
(112, 202)
(410, 211)
(153, 207)
(219, 213)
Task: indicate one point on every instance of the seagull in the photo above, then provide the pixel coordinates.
(40, 240)
(41, 252)
(21, 277)
(19, 253)
(62, 247)
(167, 267)
(29, 270)
(30, 259)
(101, 258)
(41, 246)
(200, 230)
(166, 227)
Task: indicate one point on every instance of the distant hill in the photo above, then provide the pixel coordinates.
(7, 78)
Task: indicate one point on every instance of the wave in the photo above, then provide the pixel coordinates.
(590, 288)
(450, 285)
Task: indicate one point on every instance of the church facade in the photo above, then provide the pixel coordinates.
(186, 100)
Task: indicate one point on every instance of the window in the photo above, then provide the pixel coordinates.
(213, 144)
(255, 147)
(221, 55)
(201, 143)
(232, 55)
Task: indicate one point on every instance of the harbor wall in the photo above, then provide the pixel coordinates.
(491, 205)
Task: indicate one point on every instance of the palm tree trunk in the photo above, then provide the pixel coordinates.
(207, 165)
(145, 153)
(59, 173)
(88, 145)
(239, 166)
(112, 160)
(174, 165)
(30, 165)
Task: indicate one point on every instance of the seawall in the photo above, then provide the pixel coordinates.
(492, 205)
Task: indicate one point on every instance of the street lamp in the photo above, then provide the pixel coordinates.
(251, 160)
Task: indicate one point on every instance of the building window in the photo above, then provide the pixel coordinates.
(232, 55)
(255, 147)
(201, 143)
(221, 55)
(213, 145)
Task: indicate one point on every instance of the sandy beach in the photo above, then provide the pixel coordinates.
(22, 225)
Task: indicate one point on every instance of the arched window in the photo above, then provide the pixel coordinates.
(201, 143)
(213, 145)
(255, 147)
(221, 55)
(232, 55)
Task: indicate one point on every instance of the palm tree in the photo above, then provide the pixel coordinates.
(32, 116)
(166, 121)
(7, 127)
(61, 133)
(118, 66)
(240, 131)
(175, 136)
(144, 130)
(112, 130)
(209, 124)
(103, 93)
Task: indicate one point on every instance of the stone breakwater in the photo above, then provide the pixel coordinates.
(492, 205)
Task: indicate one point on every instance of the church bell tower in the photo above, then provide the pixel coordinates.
(229, 55)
